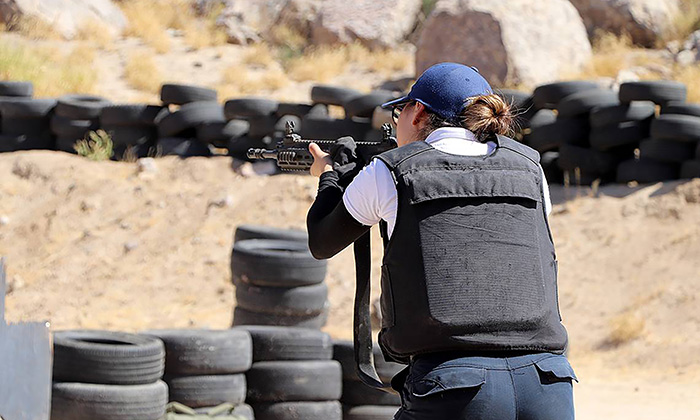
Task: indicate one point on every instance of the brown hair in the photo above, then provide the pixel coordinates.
(485, 116)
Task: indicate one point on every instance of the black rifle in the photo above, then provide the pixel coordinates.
(292, 152)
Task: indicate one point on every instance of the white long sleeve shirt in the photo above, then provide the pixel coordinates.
(372, 196)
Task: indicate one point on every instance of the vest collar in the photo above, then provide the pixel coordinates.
(457, 133)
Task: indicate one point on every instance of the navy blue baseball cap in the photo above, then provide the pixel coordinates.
(445, 89)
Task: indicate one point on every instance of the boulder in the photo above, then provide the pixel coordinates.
(374, 23)
(66, 16)
(513, 42)
(644, 20)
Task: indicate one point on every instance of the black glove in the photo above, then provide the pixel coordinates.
(346, 162)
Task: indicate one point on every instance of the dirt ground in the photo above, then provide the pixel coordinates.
(103, 245)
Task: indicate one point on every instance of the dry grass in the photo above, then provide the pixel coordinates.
(624, 328)
(611, 54)
(147, 24)
(203, 32)
(684, 23)
(96, 32)
(319, 64)
(691, 77)
(142, 73)
(33, 28)
(259, 55)
(239, 80)
(387, 62)
(52, 73)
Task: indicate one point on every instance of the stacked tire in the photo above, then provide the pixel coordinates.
(132, 128)
(75, 116)
(278, 281)
(293, 376)
(361, 402)
(107, 375)
(206, 368)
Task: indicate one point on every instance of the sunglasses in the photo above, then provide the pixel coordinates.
(396, 112)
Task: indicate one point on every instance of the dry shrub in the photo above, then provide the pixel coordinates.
(287, 36)
(684, 23)
(387, 62)
(148, 23)
(95, 31)
(259, 55)
(203, 32)
(238, 81)
(142, 73)
(51, 72)
(319, 64)
(96, 146)
(34, 28)
(691, 77)
(624, 328)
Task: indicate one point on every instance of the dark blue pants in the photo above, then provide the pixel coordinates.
(526, 387)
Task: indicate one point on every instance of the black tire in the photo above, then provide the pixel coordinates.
(680, 108)
(357, 393)
(132, 115)
(657, 91)
(581, 177)
(288, 343)
(627, 134)
(105, 357)
(294, 301)
(13, 143)
(563, 131)
(81, 107)
(26, 107)
(131, 135)
(245, 317)
(587, 160)
(238, 146)
(250, 108)
(281, 124)
(616, 114)
(666, 150)
(34, 127)
(189, 116)
(344, 353)
(244, 232)
(205, 352)
(581, 103)
(646, 171)
(207, 390)
(332, 95)
(173, 94)
(79, 401)
(17, 89)
(75, 129)
(697, 151)
(173, 146)
(276, 263)
(518, 100)
(278, 381)
(131, 151)
(548, 96)
(363, 106)
(549, 162)
(398, 85)
(299, 110)
(690, 169)
(304, 410)
(222, 131)
(542, 117)
(66, 144)
(372, 412)
(331, 129)
(262, 126)
(676, 127)
(242, 410)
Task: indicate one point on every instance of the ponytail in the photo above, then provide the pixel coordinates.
(487, 116)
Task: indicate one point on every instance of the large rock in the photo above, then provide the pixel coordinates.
(66, 16)
(644, 20)
(375, 23)
(518, 41)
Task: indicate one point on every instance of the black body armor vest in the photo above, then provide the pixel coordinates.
(471, 264)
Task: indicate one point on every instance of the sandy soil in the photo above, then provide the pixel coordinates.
(101, 245)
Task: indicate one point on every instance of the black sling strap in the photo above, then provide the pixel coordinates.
(362, 334)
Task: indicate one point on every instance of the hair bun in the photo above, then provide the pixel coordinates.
(488, 115)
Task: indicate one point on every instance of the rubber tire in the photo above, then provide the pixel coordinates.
(646, 171)
(301, 410)
(175, 94)
(372, 412)
(676, 127)
(621, 135)
(131, 135)
(262, 126)
(173, 146)
(690, 169)
(518, 100)
(242, 410)
(563, 131)
(288, 343)
(548, 96)
(244, 232)
(299, 110)
(587, 160)
(279, 381)
(680, 108)
(129, 115)
(207, 390)
(542, 117)
(16, 89)
(697, 151)
(332, 95)
(331, 129)
(250, 108)
(35, 127)
(26, 107)
(147, 149)
(616, 114)
(657, 91)
(276, 263)
(81, 107)
(222, 131)
(238, 146)
(189, 116)
(205, 352)
(344, 353)
(666, 150)
(77, 129)
(357, 393)
(581, 103)
(79, 401)
(281, 124)
(66, 144)
(243, 317)
(286, 301)
(105, 357)
(363, 106)
(13, 143)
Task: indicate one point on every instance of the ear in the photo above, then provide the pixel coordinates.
(419, 114)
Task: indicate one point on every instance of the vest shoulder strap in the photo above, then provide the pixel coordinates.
(393, 158)
(519, 148)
